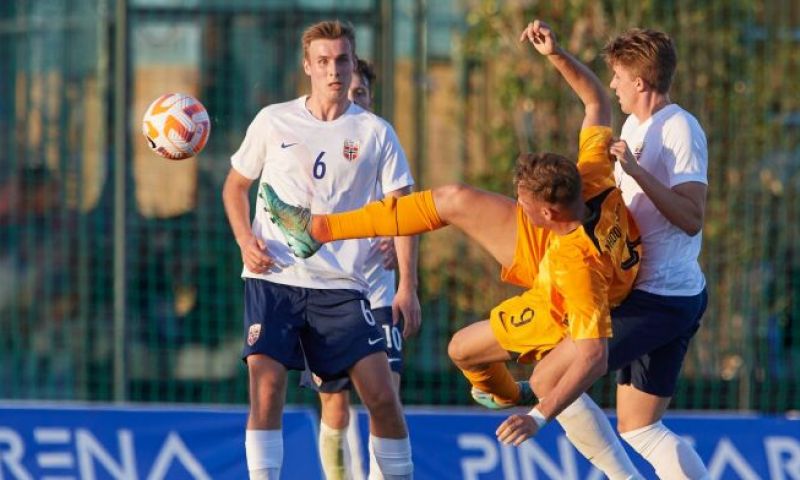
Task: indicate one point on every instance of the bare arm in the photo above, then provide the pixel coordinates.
(683, 205)
(237, 207)
(589, 364)
(406, 301)
(581, 79)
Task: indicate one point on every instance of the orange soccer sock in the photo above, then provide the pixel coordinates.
(494, 379)
(390, 217)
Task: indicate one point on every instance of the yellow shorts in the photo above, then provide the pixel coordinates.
(525, 324)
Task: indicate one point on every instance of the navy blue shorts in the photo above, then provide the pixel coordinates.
(394, 341)
(651, 336)
(329, 329)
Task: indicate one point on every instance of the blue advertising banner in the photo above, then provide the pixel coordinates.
(130, 443)
(461, 444)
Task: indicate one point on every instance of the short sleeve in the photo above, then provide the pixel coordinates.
(395, 172)
(685, 152)
(252, 153)
(594, 161)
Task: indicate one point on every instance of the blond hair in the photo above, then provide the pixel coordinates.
(329, 30)
(649, 54)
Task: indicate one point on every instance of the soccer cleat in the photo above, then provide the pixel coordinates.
(526, 397)
(294, 222)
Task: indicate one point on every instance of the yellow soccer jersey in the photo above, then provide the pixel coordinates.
(575, 279)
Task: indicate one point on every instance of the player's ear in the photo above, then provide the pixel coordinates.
(547, 213)
(306, 66)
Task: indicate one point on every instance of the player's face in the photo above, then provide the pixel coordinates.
(533, 208)
(329, 64)
(625, 85)
(359, 92)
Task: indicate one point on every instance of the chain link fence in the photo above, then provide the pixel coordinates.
(118, 273)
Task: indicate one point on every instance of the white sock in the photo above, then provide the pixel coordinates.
(374, 469)
(334, 453)
(393, 456)
(671, 456)
(264, 449)
(589, 430)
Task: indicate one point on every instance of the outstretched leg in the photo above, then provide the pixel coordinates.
(487, 218)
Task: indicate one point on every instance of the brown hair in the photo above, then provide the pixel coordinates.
(365, 70)
(549, 177)
(649, 54)
(329, 30)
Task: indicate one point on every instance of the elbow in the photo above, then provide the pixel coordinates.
(693, 227)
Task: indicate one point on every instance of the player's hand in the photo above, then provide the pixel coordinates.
(541, 36)
(255, 256)
(619, 149)
(516, 429)
(406, 303)
(385, 245)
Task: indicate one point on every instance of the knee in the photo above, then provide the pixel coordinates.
(457, 351)
(381, 403)
(267, 390)
(335, 410)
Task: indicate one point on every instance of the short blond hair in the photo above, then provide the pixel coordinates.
(329, 30)
(649, 54)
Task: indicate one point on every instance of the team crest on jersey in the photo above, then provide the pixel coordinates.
(253, 333)
(637, 150)
(350, 149)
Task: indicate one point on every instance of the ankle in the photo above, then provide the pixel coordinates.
(320, 229)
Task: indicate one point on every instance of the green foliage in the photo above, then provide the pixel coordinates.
(737, 60)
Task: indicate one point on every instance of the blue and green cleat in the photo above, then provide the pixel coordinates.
(526, 397)
(294, 222)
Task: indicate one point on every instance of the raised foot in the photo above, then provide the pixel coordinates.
(526, 397)
(294, 222)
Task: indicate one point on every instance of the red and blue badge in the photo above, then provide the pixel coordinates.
(350, 150)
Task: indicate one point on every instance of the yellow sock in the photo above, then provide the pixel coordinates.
(495, 379)
(391, 217)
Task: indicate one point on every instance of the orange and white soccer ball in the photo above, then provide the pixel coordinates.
(176, 126)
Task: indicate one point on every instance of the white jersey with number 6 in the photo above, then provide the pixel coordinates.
(327, 166)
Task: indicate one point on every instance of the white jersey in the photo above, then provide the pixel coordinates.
(327, 166)
(381, 281)
(671, 145)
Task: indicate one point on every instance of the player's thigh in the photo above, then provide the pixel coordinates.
(340, 331)
(476, 345)
(267, 388)
(373, 380)
(645, 322)
(524, 326)
(487, 218)
(273, 321)
(637, 409)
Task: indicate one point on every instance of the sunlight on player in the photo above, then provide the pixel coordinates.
(569, 239)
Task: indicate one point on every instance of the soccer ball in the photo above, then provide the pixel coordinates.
(176, 126)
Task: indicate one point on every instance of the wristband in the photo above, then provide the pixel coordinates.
(537, 416)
